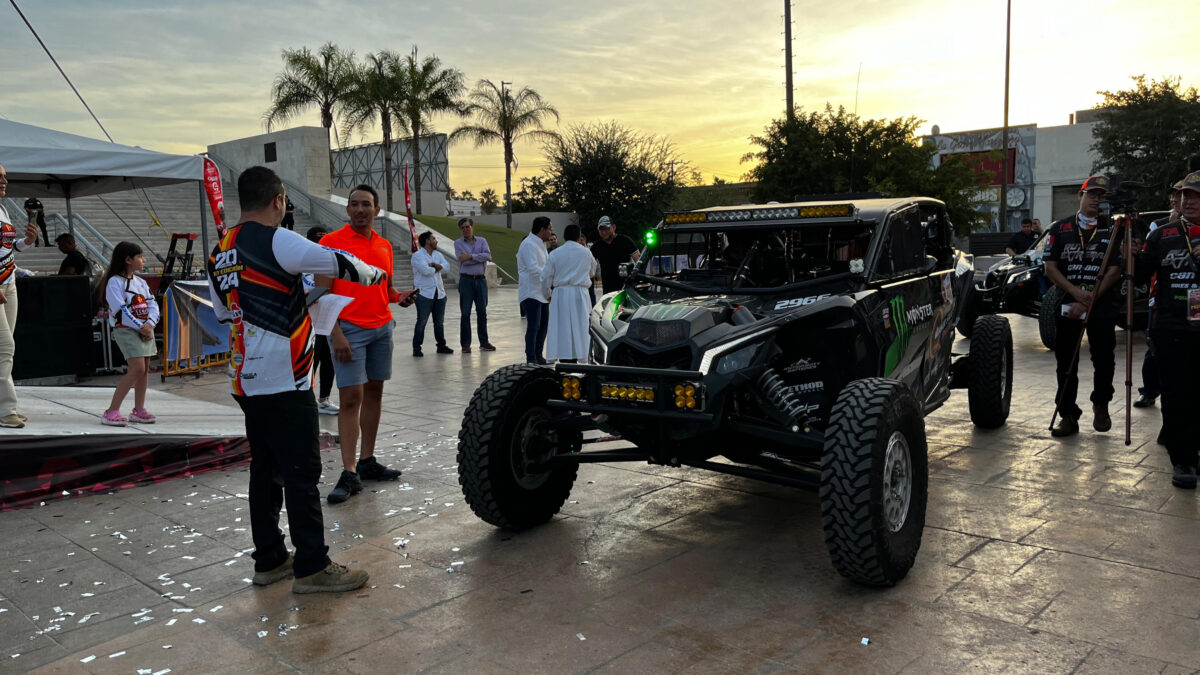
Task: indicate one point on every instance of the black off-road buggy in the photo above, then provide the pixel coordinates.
(800, 343)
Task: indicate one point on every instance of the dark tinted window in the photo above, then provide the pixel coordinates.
(269, 152)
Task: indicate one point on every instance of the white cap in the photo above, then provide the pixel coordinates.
(605, 221)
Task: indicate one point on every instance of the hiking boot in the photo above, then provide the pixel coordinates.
(371, 469)
(1144, 401)
(334, 578)
(1184, 477)
(271, 576)
(466, 349)
(141, 416)
(12, 422)
(1100, 420)
(487, 347)
(112, 418)
(348, 484)
(1065, 427)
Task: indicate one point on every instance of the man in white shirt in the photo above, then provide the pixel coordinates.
(427, 266)
(535, 303)
(566, 278)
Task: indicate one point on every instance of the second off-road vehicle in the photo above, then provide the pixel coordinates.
(799, 343)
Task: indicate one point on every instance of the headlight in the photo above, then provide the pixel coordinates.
(1021, 277)
(737, 360)
(572, 389)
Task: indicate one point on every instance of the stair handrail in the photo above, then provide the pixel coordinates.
(96, 255)
(81, 222)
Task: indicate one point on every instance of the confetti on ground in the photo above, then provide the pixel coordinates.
(216, 609)
(116, 654)
(88, 659)
(262, 634)
(197, 620)
(580, 636)
(172, 622)
(866, 641)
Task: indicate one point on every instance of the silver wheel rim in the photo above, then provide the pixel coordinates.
(897, 481)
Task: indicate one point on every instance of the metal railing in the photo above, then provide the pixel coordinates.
(318, 209)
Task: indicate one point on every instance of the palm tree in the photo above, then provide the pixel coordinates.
(508, 118)
(430, 90)
(488, 201)
(377, 94)
(322, 80)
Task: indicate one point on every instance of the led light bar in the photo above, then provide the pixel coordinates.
(761, 213)
(627, 392)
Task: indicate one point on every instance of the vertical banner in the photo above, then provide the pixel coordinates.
(408, 211)
(216, 198)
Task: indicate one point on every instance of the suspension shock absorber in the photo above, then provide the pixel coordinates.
(772, 387)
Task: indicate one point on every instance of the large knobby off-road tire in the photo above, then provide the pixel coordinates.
(874, 481)
(500, 425)
(989, 372)
(1047, 317)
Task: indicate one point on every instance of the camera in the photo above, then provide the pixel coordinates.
(1121, 196)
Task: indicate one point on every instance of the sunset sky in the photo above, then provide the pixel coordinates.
(176, 76)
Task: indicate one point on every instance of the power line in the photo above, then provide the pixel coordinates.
(60, 70)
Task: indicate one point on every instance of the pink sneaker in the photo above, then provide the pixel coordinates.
(141, 416)
(113, 418)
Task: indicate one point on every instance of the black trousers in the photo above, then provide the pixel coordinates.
(285, 465)
(1102, 342)
(1151, 384)
(1178, 353)
(323, 360)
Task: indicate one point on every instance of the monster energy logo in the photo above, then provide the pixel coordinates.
(903, 333)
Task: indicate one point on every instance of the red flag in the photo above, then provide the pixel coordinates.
(412, 227)
(216, 198)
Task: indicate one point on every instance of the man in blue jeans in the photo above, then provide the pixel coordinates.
(531, 258)
(427, 266)
(473, 255)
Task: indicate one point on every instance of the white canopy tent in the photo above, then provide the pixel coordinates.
(47, 163)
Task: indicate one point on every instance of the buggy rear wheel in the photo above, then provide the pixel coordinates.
(989, 372)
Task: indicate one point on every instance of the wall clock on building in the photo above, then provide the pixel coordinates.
(1016, 197)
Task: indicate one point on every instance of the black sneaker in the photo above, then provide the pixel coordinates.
(418, 352)
(443, 349)
(1144, 401)
(1101, 421)
(348, 484)
(1184, 477)
(371, 469)
(1065, 427)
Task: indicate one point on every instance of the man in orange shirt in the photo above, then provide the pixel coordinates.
(362, 345)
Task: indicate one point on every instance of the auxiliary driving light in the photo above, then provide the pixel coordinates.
(685, 396)
(627, 392)
(572, 389)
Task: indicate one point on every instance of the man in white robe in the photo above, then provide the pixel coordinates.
(566, 279)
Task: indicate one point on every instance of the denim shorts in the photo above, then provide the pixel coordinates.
(372, 357)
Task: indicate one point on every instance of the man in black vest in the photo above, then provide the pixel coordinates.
(1170, 254)
(1074, 249)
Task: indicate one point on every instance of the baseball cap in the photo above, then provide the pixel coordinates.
(33, 203)
(1178, 184)
(1097, 182)
(605, 221)
(1191, 182)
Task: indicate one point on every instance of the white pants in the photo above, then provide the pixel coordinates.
(8, 348)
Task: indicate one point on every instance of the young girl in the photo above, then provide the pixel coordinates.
(133, 313)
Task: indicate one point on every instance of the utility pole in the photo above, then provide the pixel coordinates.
(787, 56)
(1003, 224)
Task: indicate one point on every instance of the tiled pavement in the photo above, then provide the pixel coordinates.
(1038, 556)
